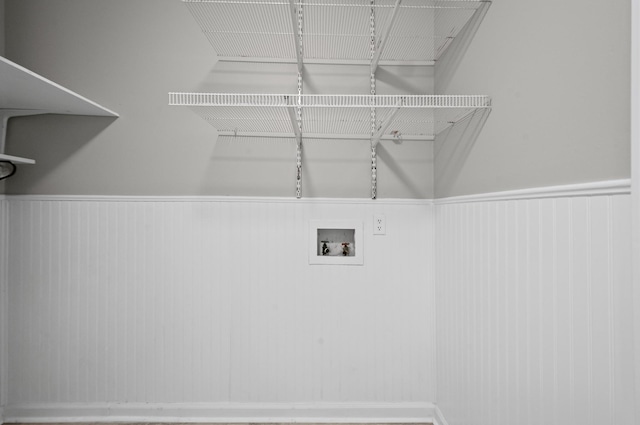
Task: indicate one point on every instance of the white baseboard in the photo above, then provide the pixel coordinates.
(223, 413)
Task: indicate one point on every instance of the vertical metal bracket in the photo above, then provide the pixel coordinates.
(296, 116)
(372, 101)
(374, 172)
(297, 130)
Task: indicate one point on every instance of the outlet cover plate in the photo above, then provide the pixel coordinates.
(379, 224)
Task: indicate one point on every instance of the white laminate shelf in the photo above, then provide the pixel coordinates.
(22, 89)
(23, 92)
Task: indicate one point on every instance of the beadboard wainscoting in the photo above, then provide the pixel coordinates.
(512, 308)
(137, 308)
(535, 311)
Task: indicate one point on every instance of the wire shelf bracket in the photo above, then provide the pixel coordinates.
(5, 115)
(380, 45)
(295, 21)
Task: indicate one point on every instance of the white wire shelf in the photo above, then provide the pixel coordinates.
(332, 29)
(421, 116)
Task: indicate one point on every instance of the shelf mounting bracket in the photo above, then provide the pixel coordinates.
(5, 115)
(295, 124)
(384, 37)
(295, 21)
(296, 115)
(375, 139)
(297, 130)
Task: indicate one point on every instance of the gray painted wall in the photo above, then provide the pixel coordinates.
(1, 27)
(559, 77)
(126, 55)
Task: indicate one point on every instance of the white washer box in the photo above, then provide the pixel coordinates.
(336, 242)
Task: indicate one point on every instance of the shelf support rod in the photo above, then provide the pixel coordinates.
(375, 139)
(5, 115)
(296, 34)
(383, 39)
(294, 123)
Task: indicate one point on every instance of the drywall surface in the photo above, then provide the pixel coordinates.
(535, 312)
(559, 77)
(127, 55)
(213, 301)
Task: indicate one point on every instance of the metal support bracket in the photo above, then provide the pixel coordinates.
(296, 33)
(374, 172)
(296, 114)
(5, 115)
(375, 139)
(383, 38)
(295, 124)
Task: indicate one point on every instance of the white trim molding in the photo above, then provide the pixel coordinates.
(228, 199)
(608, 187)
(224, 413)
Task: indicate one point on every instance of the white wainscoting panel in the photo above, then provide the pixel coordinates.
(4, 259)
(214, 301)
(534, 303)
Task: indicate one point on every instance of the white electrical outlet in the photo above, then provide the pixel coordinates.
(379, 224)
